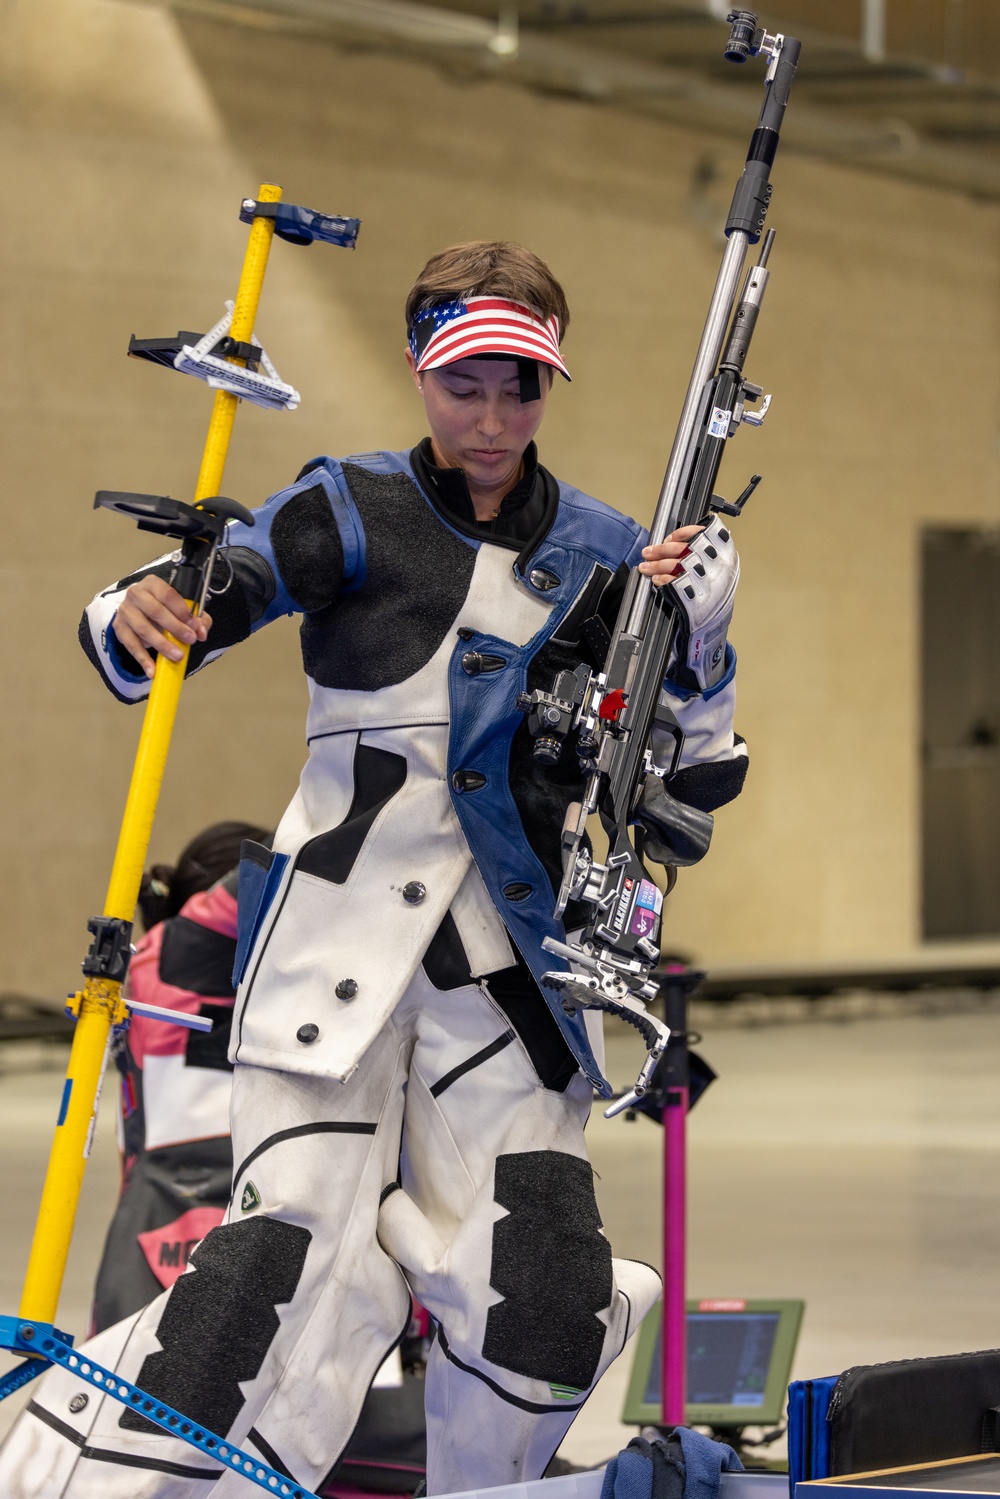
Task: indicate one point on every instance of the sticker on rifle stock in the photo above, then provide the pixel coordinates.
(648, 904)
(719, 425)
(644, 922)
(650, 896)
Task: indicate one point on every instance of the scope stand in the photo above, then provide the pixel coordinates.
(670, 1099)
(200, 530)
(99, 1006)
(676, 985)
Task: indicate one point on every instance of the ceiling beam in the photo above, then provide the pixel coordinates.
(549, 64)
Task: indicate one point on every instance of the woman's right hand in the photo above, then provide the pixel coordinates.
(151, 609)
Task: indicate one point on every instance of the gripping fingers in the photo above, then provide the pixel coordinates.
(661, 562)
(154, 617)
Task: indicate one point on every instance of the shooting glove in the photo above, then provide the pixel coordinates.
(702, 594)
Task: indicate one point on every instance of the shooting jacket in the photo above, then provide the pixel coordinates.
(420, 804)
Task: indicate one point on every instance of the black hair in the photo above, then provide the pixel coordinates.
(209, 856)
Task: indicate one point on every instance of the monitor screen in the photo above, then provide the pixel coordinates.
(739, 1359)
(728, 1359)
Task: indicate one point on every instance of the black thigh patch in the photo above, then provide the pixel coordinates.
(552, 1265)
(417, 575)
(378, 775)
(219, 1322)
(308, 551)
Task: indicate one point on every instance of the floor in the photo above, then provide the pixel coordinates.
(31, 1078)
(855, 1164)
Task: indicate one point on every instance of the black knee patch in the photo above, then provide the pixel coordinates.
(219, 1323)
(552, 1265)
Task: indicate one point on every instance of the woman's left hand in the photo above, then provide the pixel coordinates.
(660, 562)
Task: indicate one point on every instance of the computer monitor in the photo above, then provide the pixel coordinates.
(739, 1359)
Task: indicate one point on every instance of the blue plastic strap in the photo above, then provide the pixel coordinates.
(20, 1375)
(170, 1017)
(46, 1341)
(10, 1338)
(300, 226)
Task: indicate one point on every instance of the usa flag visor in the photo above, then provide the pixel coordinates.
(480, 326)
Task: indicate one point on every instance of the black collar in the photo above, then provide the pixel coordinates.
(451, 488)
(525, 515)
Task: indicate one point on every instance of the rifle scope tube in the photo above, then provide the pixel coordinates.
(753, 191)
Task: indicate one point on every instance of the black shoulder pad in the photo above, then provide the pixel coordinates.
(308, 551)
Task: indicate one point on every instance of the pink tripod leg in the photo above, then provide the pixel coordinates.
(674, 1338)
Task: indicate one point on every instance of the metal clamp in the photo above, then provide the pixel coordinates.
(110, 950)
(201, 360)
(302, 226)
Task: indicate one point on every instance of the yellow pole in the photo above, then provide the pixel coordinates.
(99, 1005)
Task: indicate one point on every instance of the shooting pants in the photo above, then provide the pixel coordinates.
(441, 1165)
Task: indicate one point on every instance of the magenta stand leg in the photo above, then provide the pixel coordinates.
(674, 1339)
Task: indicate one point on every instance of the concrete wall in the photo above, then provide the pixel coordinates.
(128, 138)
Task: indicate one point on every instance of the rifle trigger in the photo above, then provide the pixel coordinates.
(612, 706)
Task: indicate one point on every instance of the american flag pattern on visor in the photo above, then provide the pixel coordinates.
(484, 325)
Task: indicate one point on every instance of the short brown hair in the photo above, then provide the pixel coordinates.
(485, 267)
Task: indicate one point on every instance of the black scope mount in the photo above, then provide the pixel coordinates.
(168, 517)
(753, 191)
(200, 528)
(110, 948)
